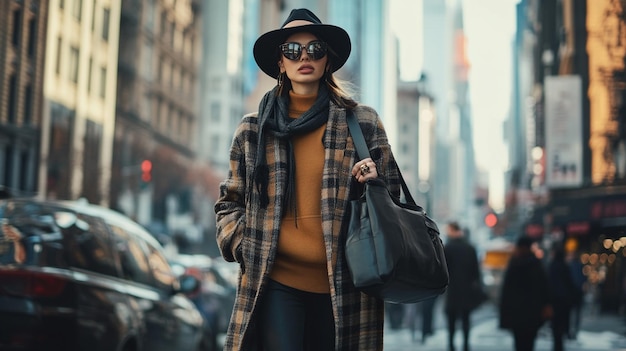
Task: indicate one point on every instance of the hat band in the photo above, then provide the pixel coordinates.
(297, 23)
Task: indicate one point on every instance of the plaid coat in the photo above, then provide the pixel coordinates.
(248, 234)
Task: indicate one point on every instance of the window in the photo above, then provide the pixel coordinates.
(106, 14)
(161, 270)
(8, 164)
(215, 111)
(93, 17)
(15, 36)
(28, 104)
(132, 256)
(89, 74)
(215, 144)
(57, 68)
(24, 174)
(91, 162)
(163, 24)
(32, 225)
(74, 64)
(12, 108)
(77, 9)
(87, 245)
(172, 75)
(103, 81)
(172, 34)
(160, 70)
(32, 37)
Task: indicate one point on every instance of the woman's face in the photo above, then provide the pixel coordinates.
(305, 73)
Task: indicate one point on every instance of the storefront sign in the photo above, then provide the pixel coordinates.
(580, 215)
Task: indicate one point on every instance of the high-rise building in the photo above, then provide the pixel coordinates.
(415, 148)
(221, 80)
(446, 66)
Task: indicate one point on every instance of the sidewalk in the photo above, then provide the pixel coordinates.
(599, 332)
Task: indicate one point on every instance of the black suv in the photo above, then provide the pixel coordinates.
(75, 276)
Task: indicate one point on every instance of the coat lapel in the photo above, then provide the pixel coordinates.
(336, 180)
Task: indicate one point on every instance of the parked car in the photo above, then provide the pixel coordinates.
(75, 276)
(216, 297)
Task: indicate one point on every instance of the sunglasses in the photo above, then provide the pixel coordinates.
(315, 50)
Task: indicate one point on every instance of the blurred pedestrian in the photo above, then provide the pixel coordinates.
(580, 280)
(281, 212)
(427, 308)
(525, 296)
(464, 271)
(395, 314)
(564, 293)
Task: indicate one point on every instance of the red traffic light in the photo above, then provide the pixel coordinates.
(146, 170)
(491, 220)
(146, 166)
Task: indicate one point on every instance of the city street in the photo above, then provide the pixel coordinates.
(599, 333)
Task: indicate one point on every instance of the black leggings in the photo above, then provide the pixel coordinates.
(294, 320)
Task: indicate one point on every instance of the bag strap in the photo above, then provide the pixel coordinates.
(363, 152)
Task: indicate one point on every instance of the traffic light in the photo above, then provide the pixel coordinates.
(491, 220)
(146, 171)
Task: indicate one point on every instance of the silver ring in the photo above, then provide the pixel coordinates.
(364, 169)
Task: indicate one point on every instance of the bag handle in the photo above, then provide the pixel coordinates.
(363, 152)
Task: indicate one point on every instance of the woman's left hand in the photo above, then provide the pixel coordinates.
(364, 170)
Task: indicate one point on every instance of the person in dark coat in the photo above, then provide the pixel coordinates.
(525, 296)
(428, 308)
(464, 273)
(580, 280)
(564, 294)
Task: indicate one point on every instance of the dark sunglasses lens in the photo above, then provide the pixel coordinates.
(316, 50)
(291, 51)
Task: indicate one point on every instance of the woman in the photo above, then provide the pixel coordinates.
(525, 297)
(282, 211)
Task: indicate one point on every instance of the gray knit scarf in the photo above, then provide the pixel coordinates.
(274, 118)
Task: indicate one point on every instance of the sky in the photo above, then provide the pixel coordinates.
(489, 28)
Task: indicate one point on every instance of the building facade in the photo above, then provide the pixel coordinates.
(22, 55)
(79, 99)
(222, 79)
(577, 134)
(156, 135)
(415, 148)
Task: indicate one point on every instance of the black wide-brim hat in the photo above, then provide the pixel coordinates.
(266, 52)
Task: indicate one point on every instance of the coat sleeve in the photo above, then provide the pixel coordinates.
(379, 147)
(230, 208)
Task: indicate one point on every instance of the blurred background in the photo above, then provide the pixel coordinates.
(508, 116)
